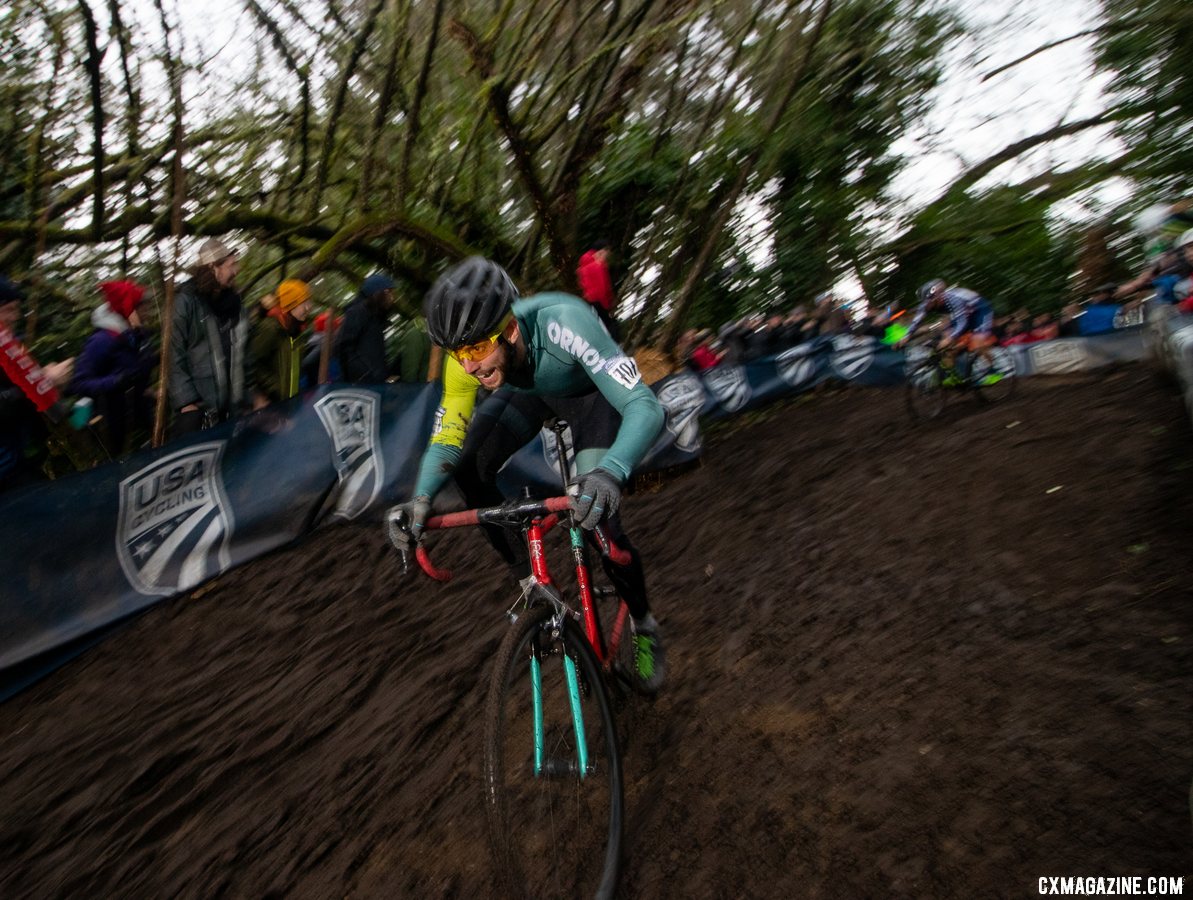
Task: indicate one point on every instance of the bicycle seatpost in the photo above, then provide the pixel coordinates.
(559, 426)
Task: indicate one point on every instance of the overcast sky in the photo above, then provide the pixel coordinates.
(975, 118)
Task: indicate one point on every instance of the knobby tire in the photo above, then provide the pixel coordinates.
(1001, 364)
(551, 835)
(925, 391)
(629, 703)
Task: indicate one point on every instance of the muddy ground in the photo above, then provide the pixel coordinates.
(905, 661)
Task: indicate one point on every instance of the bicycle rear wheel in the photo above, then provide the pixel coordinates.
(553, 791)
(925, 391)
(625, 694)
(993, 376)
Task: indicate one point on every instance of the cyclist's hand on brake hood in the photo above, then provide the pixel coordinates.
(595, 496)
(405, 522)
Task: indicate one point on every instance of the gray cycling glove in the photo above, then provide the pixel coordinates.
(406, 520)
(595, 496)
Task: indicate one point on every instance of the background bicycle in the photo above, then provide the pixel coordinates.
(932, 374)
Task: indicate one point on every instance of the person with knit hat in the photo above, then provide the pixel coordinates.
(209, 337)
(276, 347)
(360, 344)
(312, 359)
(114, 366)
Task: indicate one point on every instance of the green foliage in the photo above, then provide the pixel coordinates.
(1145, 44)
(873, 74)
(627, 185)
(730, 292)
(1007, 250)
(533, 129)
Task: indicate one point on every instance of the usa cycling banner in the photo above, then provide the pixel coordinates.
(99, 546)
(733, 389)
(1066, 356)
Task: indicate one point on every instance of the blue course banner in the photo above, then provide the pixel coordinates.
(86, 552)
(734, 389)
(89, 550)
(1066, 356)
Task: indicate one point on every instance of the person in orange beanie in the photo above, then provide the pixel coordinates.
(276, 347)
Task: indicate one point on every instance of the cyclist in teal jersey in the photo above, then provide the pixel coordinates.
(541, 357)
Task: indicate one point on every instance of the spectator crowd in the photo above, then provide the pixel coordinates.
(759, 335)
(224, 359)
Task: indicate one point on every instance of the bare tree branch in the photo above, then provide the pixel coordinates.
(331, 123)
(979, 171)
(420, 91)
(778, 108)
(498, 100)
(91, 64)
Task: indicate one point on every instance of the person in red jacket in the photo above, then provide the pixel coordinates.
(596, 285)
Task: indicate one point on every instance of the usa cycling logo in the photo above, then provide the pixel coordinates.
(852, 355)
(175, 522)
(729, 386)
(797, 366)
(353, 422)
(682, 398)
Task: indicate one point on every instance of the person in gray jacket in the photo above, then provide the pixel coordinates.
(209, 332)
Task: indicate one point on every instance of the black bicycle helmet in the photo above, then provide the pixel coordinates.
(928, 288)
(467, 303)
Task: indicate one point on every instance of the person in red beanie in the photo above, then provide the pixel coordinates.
(114, 366)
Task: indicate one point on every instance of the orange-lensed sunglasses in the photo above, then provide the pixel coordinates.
(483, 348)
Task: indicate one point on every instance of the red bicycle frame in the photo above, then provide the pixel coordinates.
(539, 517)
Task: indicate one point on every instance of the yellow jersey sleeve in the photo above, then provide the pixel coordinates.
(455, 409)
(449, 429)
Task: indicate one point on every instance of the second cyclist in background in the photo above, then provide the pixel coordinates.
(971, 318)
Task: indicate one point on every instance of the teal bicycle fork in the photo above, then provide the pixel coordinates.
(542, 765)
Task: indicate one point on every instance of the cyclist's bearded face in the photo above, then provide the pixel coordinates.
(494, 370)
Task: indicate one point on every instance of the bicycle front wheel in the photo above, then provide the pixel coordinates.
(925, 391)
(553, 788)
(993, 375)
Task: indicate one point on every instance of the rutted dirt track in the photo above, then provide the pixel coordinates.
(928, 662)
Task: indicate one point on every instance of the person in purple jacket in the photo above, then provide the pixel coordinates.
(115, 364)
